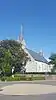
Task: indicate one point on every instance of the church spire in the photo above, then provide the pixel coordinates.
(21, 34)
(21, 39)
(21, 28)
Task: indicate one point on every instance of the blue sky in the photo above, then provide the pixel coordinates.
(38, 18)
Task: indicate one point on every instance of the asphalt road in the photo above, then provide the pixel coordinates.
(29, 97)
(2, 84)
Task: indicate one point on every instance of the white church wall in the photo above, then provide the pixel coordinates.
(30, 66)
(36, 66)
(43, 67)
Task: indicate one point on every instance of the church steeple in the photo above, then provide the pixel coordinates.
(21, 28)
(21, 39)
(21, 34)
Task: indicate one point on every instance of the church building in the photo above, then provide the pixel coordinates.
(37, 62)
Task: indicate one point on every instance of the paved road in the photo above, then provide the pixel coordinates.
(36, 97)
(2, 84)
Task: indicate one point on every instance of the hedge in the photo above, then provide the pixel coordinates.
(22, 78)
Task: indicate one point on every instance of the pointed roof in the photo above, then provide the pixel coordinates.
(37, 56)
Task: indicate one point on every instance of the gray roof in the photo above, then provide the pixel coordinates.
(37, 56)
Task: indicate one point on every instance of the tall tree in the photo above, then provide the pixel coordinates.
(12, 55)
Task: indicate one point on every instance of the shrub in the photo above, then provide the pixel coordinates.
(28, 78)
(22, 78)
(13, 79)
(3, 78)
(9, 78)
(38, 78)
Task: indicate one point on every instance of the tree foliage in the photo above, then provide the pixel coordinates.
(12, 55)
(53, 61)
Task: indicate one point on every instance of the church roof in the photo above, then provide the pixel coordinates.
(37, 56)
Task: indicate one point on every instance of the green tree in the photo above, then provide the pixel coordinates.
(53, 61)
(5, 61)
(12, 55)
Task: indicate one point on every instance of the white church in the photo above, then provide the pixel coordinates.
(37, 62)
